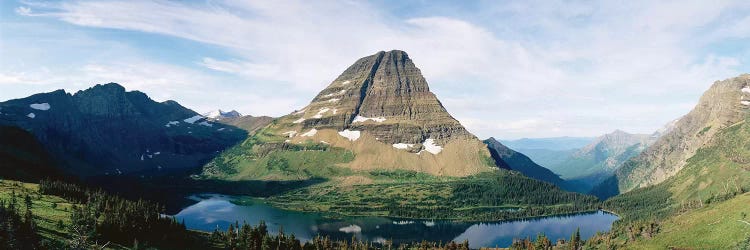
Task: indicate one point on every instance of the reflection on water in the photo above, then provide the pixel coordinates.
(216, 211)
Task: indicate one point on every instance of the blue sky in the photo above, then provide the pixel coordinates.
(507, 69)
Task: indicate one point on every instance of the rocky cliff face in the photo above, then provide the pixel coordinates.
(386, 95)
(105, 130)
(382, 109)
(724, 104)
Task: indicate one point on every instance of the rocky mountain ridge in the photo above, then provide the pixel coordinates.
(382, 109)
(724, 104)
(106, 130)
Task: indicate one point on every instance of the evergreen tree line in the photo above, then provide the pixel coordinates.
(491, 193)
(247, 237)
(102, 218)
(543, 243)
(17, 227)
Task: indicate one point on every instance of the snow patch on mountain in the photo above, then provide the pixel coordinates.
(193, 119)
(352, 135)
(172, 123)
(360, 118)
(40, 106)
(300, 120)
(430, 146)
(320, 113)
(31, 115)
(403, 145)
(310, 133)
(219, 114)
(290, 133)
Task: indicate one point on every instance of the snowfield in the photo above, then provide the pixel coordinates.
(352, 135)
(430, 146)
(40, 106)
(193, 119)
(359, 118)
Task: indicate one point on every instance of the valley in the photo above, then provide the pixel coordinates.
(374, 160)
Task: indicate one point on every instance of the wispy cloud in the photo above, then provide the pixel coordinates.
(540, 68)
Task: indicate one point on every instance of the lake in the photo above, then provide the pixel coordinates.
(216, 211)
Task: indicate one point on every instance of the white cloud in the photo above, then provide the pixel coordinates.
(540, 68)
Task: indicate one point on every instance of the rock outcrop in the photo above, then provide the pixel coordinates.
(382, 109)
(724, 104)
(386, 95)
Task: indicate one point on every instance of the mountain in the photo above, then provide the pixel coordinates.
(220, 115)
(704, 204)
(551, 143)
(249, 123)
(512, 160)
(548, 151)
(377, 141)
(23, 157)
(600, 158)
(380, 110)
(105, 130)
(723, 105)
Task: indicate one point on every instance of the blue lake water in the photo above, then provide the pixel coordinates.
(216, 211)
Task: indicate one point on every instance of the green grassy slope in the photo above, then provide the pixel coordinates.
(264, 156)
(717, 226)
(708, 195)
(397, 193)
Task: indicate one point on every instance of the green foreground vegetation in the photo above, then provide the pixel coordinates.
(703, 207)
(493, 195)
(498, 195)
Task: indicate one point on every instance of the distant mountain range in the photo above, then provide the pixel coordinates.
(379, 114)
(596, 161)
(220, 115)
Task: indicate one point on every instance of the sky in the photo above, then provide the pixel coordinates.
(507, 69)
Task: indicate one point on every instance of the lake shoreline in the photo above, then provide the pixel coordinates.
(217, 211)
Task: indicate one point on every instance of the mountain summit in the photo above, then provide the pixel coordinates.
(219, 114)
(382, 111)
(106, 130)
(386, 95)
(722, 106)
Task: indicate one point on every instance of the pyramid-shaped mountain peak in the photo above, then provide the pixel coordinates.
(382, 110)
(386, 95)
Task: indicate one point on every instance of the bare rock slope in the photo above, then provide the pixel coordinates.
(724, 104)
